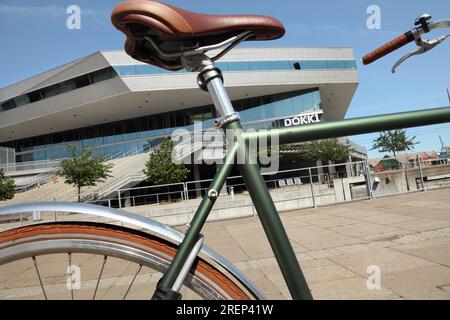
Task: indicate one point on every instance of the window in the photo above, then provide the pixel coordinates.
(251, 109)
(8, 105)
(350, 64)
(158, 122)
(280, 65)
(82, 81)
(222, 66)
(318, 64)
(51, 91)
(21, 100)
(102, 75)
(238, 66)
(337, 64)
(142, 124)
(230, 66)
(305, 65)
(65, 86)
(129, 126)
(259, 65)
(147, 69)
(34, 96)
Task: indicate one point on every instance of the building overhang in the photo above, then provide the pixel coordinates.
(127, 97)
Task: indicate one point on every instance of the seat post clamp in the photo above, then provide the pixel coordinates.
(208, 75)
(223, 121)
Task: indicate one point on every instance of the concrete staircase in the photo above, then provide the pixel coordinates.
(126, 172)
(47, 192)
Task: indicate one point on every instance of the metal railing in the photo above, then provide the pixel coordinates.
(193, 189)
(121, 154)
(361, 181)
(38, 180)
(124, 199)
(54, 164)
(31, 165)
(121, 180)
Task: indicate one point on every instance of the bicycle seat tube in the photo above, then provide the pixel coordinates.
(210, 78)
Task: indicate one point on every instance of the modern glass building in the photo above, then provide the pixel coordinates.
(116, 105)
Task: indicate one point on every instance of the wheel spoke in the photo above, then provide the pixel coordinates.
(39, 277)
(100, 276)
(132, 281)
(125, 245)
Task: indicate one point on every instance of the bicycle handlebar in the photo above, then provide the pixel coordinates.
(404, 39)
(387, 48)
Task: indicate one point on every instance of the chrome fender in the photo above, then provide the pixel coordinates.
(150, 226)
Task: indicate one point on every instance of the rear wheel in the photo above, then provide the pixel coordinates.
(95, 261)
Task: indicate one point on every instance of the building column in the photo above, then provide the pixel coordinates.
(319, 170)
(358, 169)
(349, 166)
(331, 170)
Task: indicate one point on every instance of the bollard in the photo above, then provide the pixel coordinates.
(232, 192)
(312, 189)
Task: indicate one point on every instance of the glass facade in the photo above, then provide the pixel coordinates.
(128, 135)
(7, 156)
(236, 66)
(59, 88)
(133, 70)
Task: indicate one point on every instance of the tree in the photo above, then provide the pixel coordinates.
(327, 150)
(7, 186)
(394, 141)
(160, 169)
(83, 169)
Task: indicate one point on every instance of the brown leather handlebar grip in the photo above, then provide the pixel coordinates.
(387, 48)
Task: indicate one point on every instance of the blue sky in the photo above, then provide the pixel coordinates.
(34, 39)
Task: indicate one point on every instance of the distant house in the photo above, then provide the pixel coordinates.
(388, 163)
(406, 160)
(443, 157)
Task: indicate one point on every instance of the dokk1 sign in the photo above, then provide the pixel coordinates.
(304, 118)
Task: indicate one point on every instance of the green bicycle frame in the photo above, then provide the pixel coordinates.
(257, 188)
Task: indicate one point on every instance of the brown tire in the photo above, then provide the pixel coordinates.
(203, 275)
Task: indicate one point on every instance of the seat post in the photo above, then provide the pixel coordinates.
(219, 94)
(210, 79)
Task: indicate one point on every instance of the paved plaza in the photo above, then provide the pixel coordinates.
(406, 238)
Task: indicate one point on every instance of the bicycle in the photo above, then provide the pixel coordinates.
(173, 39)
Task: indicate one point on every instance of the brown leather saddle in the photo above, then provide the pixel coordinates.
(173, 30)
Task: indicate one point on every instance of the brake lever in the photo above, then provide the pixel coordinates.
(425, 46)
